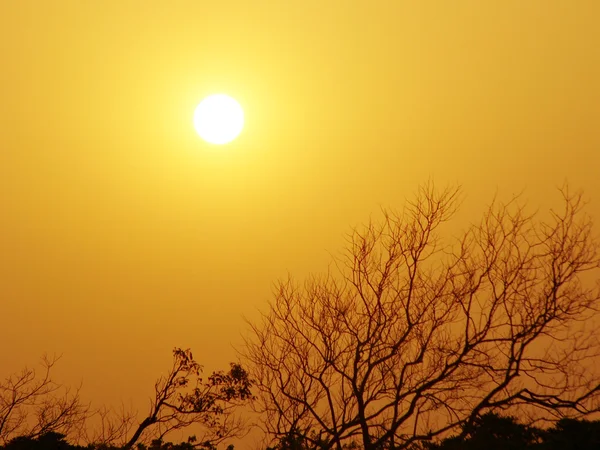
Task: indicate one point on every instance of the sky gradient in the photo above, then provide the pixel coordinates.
(123, 234)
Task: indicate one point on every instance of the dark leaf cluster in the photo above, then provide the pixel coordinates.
(488, 432)
(494, 432)
(57, 441)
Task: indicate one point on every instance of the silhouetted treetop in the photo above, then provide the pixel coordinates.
(494, 432)
(415, 335)
(33, 404)
(38, 413)
(182, 398)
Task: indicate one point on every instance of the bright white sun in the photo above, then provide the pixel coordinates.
(218, 119)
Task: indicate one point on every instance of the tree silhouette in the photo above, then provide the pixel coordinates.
(182, 399)
(158, 444)
(56, 441)
(297, 440)
(492, 432)
(36, 412)
(46, 441)
(571, 434)
(110, 428)
(414, 336)
(32, 404)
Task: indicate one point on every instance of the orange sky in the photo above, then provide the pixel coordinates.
(122, 234)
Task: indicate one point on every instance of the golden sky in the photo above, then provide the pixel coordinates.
(123, 235)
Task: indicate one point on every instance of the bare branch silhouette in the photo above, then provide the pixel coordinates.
(33, 404)
(417, 335)
(110, 427)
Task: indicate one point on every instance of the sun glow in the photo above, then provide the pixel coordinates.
(218, 119)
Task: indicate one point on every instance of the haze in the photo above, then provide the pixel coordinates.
(122, 236)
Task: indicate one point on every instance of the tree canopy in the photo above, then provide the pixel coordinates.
(416, 340)
(415, 334)
(37, 412)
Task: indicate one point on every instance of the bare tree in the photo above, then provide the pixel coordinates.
(109, 426)
(183, 399)
(33, 404)
(413, 335)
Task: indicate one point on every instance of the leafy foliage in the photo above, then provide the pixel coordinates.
(494, 432)
(183, 398)
(36, 412)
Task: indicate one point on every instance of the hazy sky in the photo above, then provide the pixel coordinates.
(122, 234)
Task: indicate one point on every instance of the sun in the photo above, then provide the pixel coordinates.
(218, 119)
